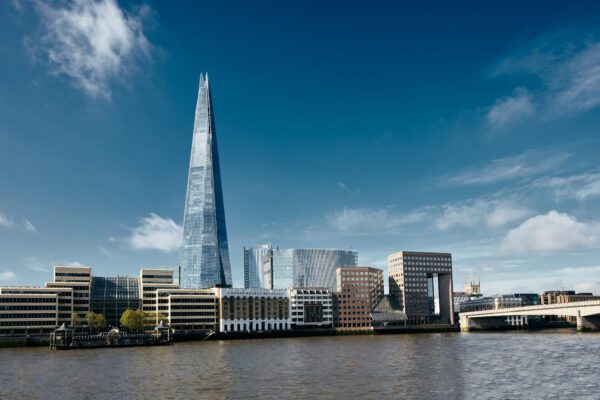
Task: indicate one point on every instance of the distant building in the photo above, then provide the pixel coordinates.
(358, 291)
(251, 310)
(421, 282)
(529, 299)
(565, 296)
(258, 270)
(274, 268)
(311, 308)
(472, 286)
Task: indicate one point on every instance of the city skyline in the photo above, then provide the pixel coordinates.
(352, 137)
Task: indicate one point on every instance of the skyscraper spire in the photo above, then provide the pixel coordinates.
(204, 256)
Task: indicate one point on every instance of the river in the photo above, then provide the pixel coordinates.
(508, 365)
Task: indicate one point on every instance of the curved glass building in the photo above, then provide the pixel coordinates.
(204, 255)
(294, 268)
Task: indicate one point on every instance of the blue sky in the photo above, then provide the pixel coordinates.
(470, 128)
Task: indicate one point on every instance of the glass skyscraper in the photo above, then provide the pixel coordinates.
(287, 268)
(204, 256)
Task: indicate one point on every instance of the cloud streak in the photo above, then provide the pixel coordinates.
(566, 77)
(525, 165)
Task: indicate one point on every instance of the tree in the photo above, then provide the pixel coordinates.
(133, 320)
(153, 318)
(96, 322)
(74, 320)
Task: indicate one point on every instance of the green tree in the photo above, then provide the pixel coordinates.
(74, 320)
(133, 320)
(153, 318)
(96, 322)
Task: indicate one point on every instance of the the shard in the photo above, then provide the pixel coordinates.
(204, 257)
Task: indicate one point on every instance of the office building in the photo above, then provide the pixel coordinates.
(565, 296)
(152, 279)
(252, 310)
(358, 291)
(204, 254)
(79, 278)
(34, 310)
(258, 267)
(188, 309)
(422, 284)
(311, 308)
(275, 268)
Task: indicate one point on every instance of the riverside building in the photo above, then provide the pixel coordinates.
(253, 310)
(274, 268)
(358, 291)
(422, 283)
(311, 308)
(112, 295)
(188, 309)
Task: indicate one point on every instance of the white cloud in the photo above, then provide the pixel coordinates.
(92, 42)
(7, 276)
(367, 221)
(29, 226)
(511, 109)
(342, 185)
(526, 165)
(549, 232)
(480, 213)
(156, 233)
(6, 221)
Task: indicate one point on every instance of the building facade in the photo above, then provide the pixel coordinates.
(78, 278)
(422, 283)
(204, 254)
(34, 310)
(152, 279)
(358, 291)
(253, 310)
(188, 309)
(258, 269)
(311, 308)
(111, 296)
(275, 268)
(565, 296)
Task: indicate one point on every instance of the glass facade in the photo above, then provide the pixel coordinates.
(111, 296)
(273, 268)
(283, 269)
(204, 256)
(257, 267)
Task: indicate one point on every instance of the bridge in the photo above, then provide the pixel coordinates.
(586, 312)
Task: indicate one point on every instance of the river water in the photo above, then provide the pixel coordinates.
(509, 365)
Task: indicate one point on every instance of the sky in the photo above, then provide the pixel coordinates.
(469, 128)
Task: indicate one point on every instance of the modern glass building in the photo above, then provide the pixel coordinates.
(111, 296)
(268, 268)
(204, 256)
(257, 267)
